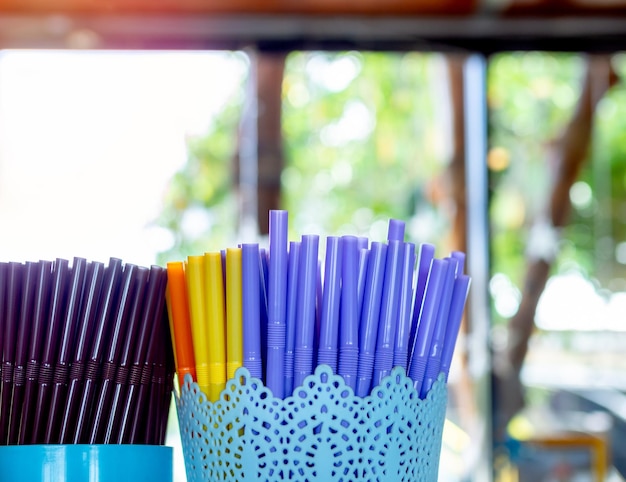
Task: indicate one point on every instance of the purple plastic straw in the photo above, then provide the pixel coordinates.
(364, 256)
(99, 341)
(305, 327)
(139, 372)
(37, 335)
(292, 299)
(264, 273)
(459, 256)
(388, 322)
(401, 346)
(69, 326)
(349, 326)
(395, 231)
(251, 289)
(426, 256)
(432, 295)
(14, 297)
(363, 243)
(457, 305)
(370, 315)
(58, 294)
(277, 303)
(328, 348)
(114, 350)
(123, 371)
(86, 327)
(436, 343)
(21, 349)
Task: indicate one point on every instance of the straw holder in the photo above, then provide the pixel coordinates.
(321, 433)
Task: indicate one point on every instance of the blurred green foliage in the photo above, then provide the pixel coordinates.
(367, 137)
(531, 97)
(364, 136)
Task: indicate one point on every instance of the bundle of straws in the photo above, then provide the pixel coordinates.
(279, 313)
(86, 353)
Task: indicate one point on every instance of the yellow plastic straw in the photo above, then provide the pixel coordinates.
(199, 326)
(216, 323)
(234, 315)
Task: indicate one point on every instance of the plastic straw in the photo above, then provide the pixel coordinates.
(37, 335)
(388, 322)
(122, 375)
(199, 326)
(419, 353)
(250, 288)
(425, 258)
(60, 280)
(290, 318)
(328, 349)
(401, 345)
(370, 315)
(140, 370)
(120, 318)
(216, 321)
(14, 296)
(21, 349)
(183, 340)
(349, 331)
(99, 341)
(234, 323)
(276, 303)
(305, 327)
(455, 315)
(395, 230)
(436, 344)
(69, 328)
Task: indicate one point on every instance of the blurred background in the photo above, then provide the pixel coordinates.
(128, 134)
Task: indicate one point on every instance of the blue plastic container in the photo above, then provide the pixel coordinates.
(322, 433)
(86, 463)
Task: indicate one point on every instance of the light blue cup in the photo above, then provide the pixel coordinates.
(322, 433)
(86, 463)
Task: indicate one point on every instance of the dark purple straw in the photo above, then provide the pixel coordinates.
(140, 372)
(21, 349)
(16, 271)
(149, 421)
(121, 316)
(122, 374)
(349, 331)
(4, 287)
(277, 303)
(251, 310)
(328, 349)
(457, 305)
(37, 335)
(98, 343)
(86, 327)
(59, 289)
(401, 345)
(305, 328)
(370, 315)
(157, 332)
(390, 303)
(433, 364)
(69, 327)
(290, 319)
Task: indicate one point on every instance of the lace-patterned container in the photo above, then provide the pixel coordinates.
(321, 433)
